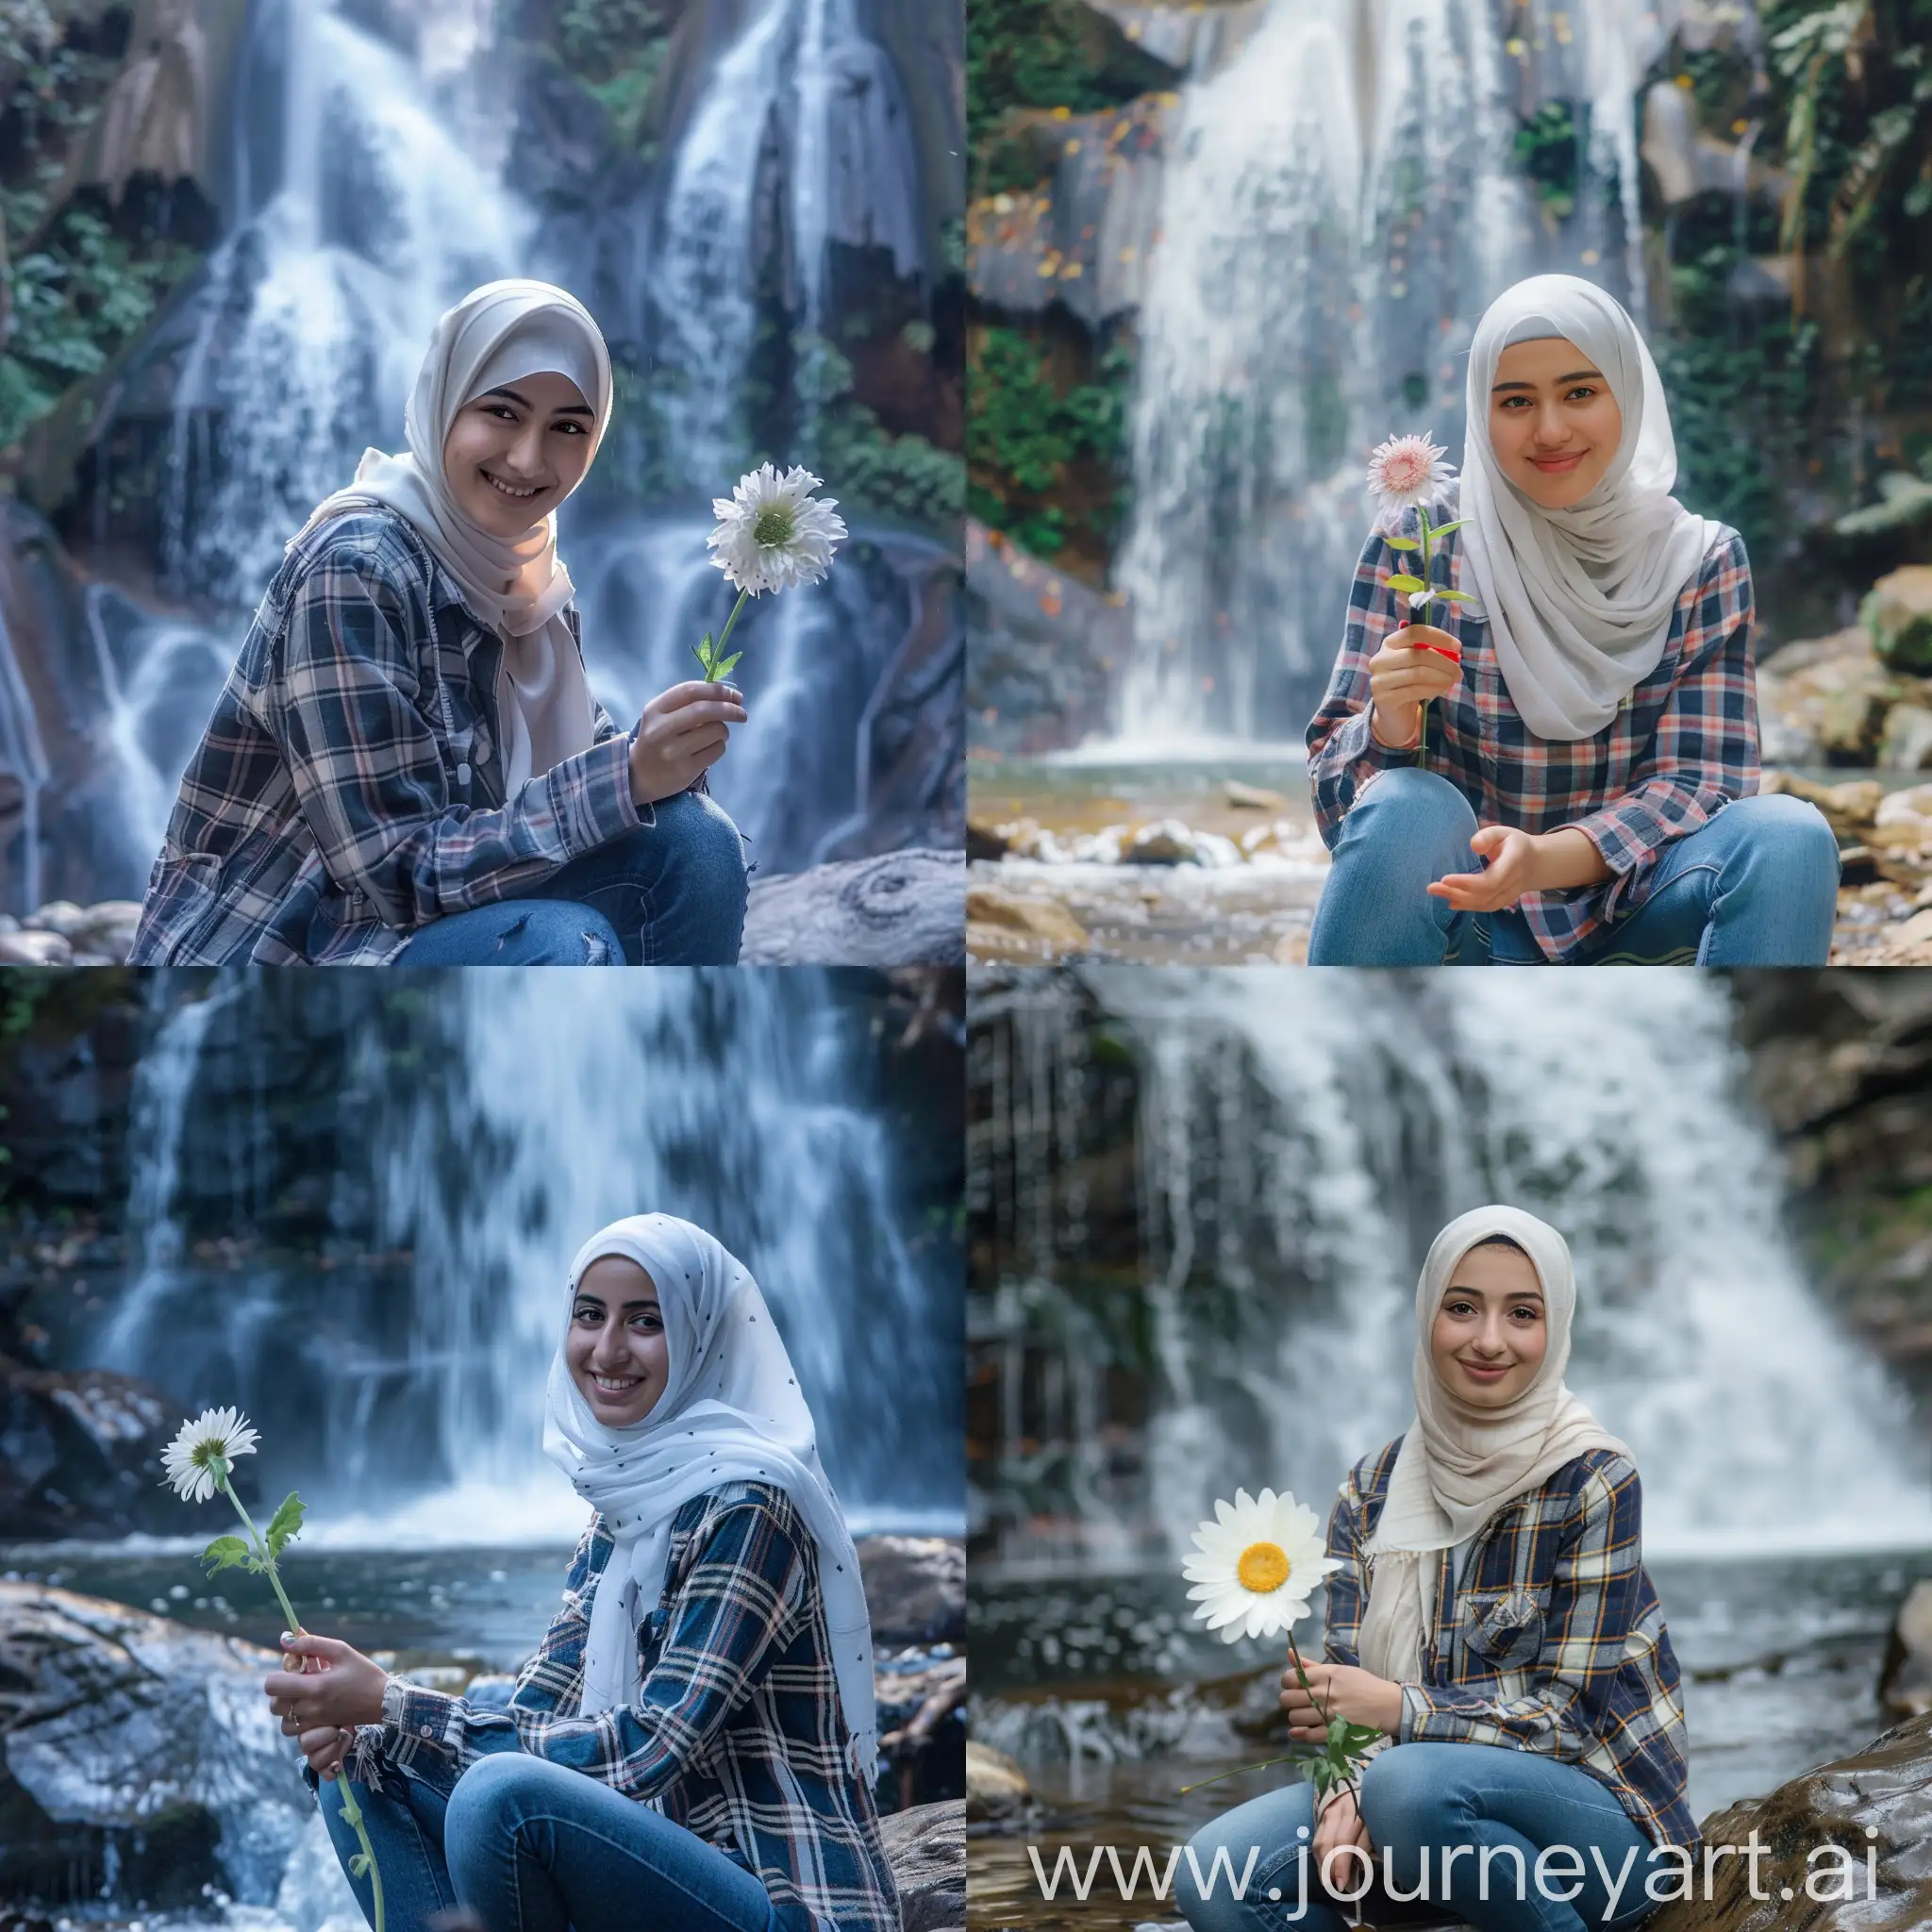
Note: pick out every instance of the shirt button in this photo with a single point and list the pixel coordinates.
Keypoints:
(463, 773)
(428, 1730)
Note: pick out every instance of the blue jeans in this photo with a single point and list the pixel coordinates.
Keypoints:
(1755, 886)
(670, 893)
(531, 1846)
(1417, 1801)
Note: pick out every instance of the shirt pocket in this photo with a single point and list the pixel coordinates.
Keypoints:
(1504, 1627)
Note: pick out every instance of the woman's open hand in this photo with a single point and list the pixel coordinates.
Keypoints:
(1339, 1691)
(1341, 1823)
(682, 733)
(340, 1688)
(1411, 668)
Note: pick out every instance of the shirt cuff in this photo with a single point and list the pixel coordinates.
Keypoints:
(1415, 1712)
(431, 1716)
(590, 797)
(1356, 743)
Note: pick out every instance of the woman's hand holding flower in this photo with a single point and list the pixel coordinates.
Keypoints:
(1341, 1823)
(1415, 664)
(682, 733)
(345, 1690)
(1343, 1690)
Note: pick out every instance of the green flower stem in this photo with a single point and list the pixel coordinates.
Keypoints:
(725, 638)
(352, 1812)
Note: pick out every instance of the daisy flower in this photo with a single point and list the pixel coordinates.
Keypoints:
(772, 532)
(1257, 1563)
(1406, 472)
(204, 1450)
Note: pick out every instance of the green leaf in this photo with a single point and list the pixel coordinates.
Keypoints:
(284, 1524)
(724, 670)
(224, 1553)
(1455, 596)
(1406, 584)
(1401, 543)
(1337, 1730)
(1447, 527)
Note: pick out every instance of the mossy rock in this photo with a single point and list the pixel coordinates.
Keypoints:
(1897, 611)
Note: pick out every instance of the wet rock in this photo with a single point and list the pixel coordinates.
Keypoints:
(1898, 614)
(1878, 1801)
(915, 1588)
(35, 949)
(996, 1788)
(1001, 925)
(135, 1744)
(1906, 745)
(925, 1847)
(902, 908)
(1252, 797)
(1045, 648)
(80, 1454)
(1905, 1678)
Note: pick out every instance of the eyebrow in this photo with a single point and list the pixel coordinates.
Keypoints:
(1575, 376)
(597, 1301)
(524, 402)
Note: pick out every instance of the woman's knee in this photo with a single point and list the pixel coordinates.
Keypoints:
(561, 932)
(487, 1793)
(704, 843)
(1416, 809)
(1405, 1794)
(1791, 832)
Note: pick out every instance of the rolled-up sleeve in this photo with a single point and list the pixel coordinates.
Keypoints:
(356, 728)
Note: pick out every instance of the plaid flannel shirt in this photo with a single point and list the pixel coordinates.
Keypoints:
(349, 787)
(1553, 1641)
(1682, 745)
(737, 1734)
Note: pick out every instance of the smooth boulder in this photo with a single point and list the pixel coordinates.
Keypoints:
(902, 908)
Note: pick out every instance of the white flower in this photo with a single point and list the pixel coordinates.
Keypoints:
(1403, 472)
(1257, 1564)
(772, 532)
(219, 1436)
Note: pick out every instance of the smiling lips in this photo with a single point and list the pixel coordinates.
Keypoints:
(1482, 1371)
(497, 483)
(607, 1387)
(1558, 466)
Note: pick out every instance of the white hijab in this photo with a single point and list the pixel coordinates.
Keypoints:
(1460, 1464)
(494, 335)
(1579, 600)
(731, 1411)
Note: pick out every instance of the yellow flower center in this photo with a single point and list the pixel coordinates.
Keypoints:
(776, 526)
(1263, 1567)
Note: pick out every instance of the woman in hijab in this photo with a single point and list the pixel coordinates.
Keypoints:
(1492, 1616)
(1570, 773)
(693, 1746)
(407, 765)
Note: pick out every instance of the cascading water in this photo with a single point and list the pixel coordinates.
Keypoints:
(483, 1155)
(1340, 205)
(1301, 1137)
(370, 192)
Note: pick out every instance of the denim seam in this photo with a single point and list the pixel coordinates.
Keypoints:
(623, 1850)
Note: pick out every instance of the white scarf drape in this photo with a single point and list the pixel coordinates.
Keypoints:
(731, 1411)
(494, 335)
(1460, 1464)
(1579, 600)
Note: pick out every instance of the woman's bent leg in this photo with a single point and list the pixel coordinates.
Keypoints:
(1756, 886)
(406, 1834)
(1251, 1870)
(1470, 1822)
(1409, 829)
(675, 890)
(518, 932)
(535, 1847)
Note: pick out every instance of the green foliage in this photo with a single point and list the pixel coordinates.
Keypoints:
(842, 439)
(1025, 432)
(285, 1523)
(1547, 151)
(616, 49)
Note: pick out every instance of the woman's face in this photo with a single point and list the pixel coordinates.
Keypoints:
(515, 453)
(1554, 424)
(1490, 1333)
(616, 1350)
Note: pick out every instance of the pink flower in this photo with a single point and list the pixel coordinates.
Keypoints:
(1403, 472)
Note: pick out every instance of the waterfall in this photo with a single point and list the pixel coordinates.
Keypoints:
(23, 760)
(476, 1155)
(1300, 1139)
(1340, 206)
(369, 191)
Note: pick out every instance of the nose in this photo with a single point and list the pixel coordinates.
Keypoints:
(525, 456)
(1552, 431)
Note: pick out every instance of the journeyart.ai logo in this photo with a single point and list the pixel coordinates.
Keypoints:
(1833, 1874)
